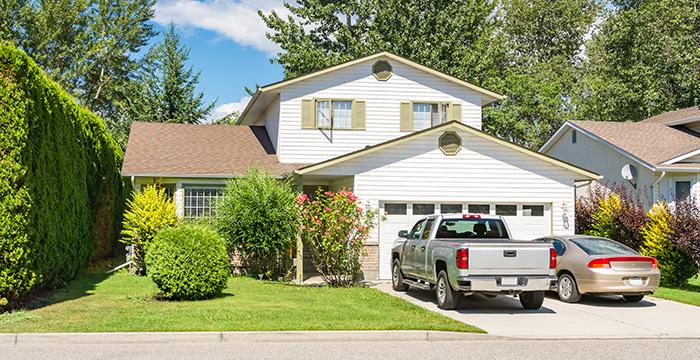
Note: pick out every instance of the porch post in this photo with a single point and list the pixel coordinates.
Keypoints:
(298, 181)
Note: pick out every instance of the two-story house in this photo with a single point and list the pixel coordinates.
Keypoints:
(405, 138)
(658, 157)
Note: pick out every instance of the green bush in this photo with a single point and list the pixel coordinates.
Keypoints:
(334, 229)
(676, 267)
(147, 213)
(259, 221)
(188, 262)
(61, 193)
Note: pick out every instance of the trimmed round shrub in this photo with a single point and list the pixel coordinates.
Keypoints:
(188, 262)
(676, 267)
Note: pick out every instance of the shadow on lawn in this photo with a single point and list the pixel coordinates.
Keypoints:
(80, 287)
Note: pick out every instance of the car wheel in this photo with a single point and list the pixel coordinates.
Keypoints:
(531, 300)
(633, 298)
(397, 277)
(447, 298)
(567, 289)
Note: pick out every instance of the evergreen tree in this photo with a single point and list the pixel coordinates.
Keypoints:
(164, 89)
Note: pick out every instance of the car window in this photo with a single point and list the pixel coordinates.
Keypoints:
(472, 228)
(601, 246)
(426, 229)
(559, 247)
(417, 230)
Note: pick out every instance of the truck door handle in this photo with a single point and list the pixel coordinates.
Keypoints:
(422, 248)
(413, 247)
(509, 253)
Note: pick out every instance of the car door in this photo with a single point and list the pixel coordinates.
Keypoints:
(408, 265)
(421, 252)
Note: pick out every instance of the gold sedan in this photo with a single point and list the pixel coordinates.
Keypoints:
(600, 266)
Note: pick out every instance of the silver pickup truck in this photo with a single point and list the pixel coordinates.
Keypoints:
(463, 254)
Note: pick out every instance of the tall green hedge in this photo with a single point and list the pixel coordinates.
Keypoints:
(60, 189)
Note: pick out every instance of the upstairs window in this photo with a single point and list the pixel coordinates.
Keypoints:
(330, 114)
(426, 115)
(334, 114)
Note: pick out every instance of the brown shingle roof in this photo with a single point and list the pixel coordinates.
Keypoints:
(692, 112)
(651, 142)
(157, 149)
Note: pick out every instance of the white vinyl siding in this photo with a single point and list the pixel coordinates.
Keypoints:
(382, 104)
(482, 173)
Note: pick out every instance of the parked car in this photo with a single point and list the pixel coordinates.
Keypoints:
(460, 255)
(600, 266)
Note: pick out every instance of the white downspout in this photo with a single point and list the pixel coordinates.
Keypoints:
(655, 185)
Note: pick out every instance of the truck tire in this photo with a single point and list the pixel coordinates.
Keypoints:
(447, 299)
(531, 300)
(567, 289)
(397, 277)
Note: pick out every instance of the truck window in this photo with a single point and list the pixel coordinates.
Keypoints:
(426, 229)
(416, 230)
(472, 228)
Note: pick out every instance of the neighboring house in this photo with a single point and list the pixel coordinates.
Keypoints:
(405, 138)
(662, 151)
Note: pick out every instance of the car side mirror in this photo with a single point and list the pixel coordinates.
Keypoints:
(403, 234)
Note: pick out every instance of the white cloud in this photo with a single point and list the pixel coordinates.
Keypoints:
(236, 20)
(227, 108)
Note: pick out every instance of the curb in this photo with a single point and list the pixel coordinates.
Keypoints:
(234, 336)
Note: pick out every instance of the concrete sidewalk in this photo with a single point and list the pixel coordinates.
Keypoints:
(235, 336)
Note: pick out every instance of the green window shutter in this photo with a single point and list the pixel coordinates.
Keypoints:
(308, 120)
(455, 112)
(406, 117)
(358, 114)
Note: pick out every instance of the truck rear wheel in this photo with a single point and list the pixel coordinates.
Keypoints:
(531, 300)
(397, 277)
(447, 298)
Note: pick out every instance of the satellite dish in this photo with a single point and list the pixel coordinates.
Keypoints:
(629, 173)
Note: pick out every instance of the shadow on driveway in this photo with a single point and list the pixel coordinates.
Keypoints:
(479, 304)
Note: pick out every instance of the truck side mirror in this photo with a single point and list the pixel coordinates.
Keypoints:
(403, 234)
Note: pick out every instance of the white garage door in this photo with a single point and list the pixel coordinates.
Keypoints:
(525, 221)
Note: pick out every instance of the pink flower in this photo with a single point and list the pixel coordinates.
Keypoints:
(302, 198)
(359, 209)
(328, 193)
(328, 209)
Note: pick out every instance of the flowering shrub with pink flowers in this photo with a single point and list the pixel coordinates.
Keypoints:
(334, 229)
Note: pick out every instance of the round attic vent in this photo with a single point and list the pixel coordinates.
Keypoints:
(382, 70)
(450, 143)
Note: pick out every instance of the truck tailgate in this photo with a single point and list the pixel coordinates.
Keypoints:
(504, 258)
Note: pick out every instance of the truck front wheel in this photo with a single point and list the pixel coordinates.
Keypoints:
(447, 298)
(531, 300)
(397, 277)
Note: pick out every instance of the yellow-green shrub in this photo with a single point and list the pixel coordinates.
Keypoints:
(60, 189)
(149, 212)
(676, 267)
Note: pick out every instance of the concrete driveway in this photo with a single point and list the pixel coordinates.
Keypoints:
(593, 317)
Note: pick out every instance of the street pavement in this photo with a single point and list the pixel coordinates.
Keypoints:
(593, 317)
(375, 345)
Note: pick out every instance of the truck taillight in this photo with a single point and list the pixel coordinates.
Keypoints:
(462, 258)
(552, 258)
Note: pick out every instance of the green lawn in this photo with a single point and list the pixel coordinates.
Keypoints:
(689, 294)
(96, 302)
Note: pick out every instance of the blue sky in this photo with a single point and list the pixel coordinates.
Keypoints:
(227, 45)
